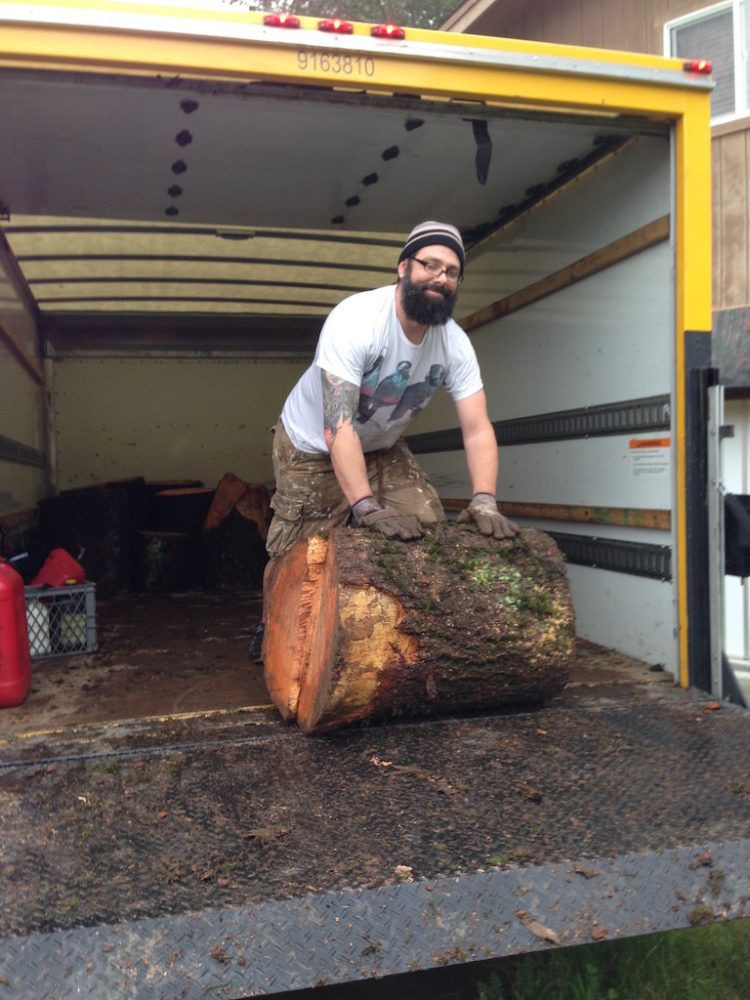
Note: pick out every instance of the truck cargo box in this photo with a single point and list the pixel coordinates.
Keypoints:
(184, 195)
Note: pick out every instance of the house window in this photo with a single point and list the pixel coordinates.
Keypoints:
(721, 34)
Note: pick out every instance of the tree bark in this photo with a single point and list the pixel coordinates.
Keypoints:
(358, 626)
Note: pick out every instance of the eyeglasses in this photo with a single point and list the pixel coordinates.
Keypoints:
(435, 268)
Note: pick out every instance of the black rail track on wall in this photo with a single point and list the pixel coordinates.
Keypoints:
(633, 416)
(635, 558)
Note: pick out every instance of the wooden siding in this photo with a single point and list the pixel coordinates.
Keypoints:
(637, 26)
(630, 25)
(731, 156)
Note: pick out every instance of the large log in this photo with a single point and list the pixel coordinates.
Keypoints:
(359, 627)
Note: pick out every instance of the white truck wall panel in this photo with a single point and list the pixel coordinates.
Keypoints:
(167, 418)
(21, 402)
(21, 486)
(619, 197)
(22, 417)
(606, 339)
(735, 464)
(596, 471)
(625, 193)
(21, 399)
(630, 614)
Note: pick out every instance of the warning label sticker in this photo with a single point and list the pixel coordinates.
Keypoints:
(650, 456)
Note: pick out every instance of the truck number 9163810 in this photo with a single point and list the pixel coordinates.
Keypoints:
(336, 62)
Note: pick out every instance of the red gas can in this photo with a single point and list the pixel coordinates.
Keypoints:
(15, 659)
(59, 568)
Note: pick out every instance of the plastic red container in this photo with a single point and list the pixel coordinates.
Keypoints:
(59, 568)
(15, 658)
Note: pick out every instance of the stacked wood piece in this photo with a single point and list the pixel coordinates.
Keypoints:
(183, 509)
(358, 626)
(168, 550)
(95, 524)
(234, 535)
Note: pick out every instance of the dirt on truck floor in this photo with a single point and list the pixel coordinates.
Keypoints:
(220, 851)
(158, 654)
(172, 654)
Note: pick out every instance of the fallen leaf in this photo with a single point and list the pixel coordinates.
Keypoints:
(444, 786)
(586, 872)
(539, 930)
(381, 763)
(266, 835)
(532, 794)
(712, 706)
(599, 933)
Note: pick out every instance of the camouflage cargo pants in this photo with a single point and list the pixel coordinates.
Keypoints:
(308, 498)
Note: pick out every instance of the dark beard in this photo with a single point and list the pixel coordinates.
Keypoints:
(422, 310)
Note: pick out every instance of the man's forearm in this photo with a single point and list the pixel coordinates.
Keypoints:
(340, 399)
(482, 460)
(348, 463)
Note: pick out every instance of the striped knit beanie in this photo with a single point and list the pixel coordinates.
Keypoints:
(428, 234)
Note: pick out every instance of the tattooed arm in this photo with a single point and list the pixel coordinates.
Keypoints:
(340, 399)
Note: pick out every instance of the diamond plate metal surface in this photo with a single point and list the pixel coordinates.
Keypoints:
(236, 857)
(350, 935)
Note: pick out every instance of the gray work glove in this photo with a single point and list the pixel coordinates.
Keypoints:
(368, 513)
(483, 512)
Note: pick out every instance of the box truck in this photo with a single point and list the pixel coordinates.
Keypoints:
(184, 195)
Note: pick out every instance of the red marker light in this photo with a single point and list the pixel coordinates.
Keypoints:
(337, 26)
(281, 21)
(387, 31)
(698, 66)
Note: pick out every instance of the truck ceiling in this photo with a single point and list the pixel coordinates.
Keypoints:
(194, 165)
(165, 197)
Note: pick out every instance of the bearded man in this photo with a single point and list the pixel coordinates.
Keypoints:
(338, 453)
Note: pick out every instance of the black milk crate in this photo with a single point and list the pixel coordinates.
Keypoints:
(61, 620)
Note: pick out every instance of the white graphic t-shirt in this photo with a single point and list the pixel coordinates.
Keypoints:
(362, 342)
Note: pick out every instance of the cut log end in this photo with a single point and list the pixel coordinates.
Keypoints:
(362, 627)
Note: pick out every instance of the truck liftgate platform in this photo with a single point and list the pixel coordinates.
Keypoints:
(229, 855)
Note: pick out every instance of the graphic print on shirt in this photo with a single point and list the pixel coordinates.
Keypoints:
(369, 384)
(395, 391)
(416, 397)
(388, 392)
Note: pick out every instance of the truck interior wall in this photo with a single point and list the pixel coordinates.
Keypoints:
(167, 418)
(606, 340)
(22, 422)
(22, 403)
(736, 479)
